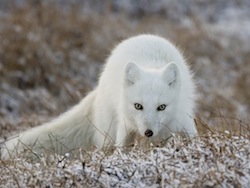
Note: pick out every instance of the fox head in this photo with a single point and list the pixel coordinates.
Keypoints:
(150, 97)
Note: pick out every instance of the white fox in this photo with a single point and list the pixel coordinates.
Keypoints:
(146, 87)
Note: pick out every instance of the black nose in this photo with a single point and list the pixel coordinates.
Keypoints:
(149, 133)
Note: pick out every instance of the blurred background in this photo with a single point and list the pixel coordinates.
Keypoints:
(52, 51)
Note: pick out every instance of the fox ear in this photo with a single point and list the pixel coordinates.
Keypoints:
(170, 74)
(132, 73)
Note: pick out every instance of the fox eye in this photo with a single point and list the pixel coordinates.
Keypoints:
(161, 107)
(138, 106)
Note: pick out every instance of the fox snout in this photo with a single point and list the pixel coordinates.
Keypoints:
(148, 130)
(149, 133)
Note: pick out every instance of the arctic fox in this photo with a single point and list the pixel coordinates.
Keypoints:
(146, 87)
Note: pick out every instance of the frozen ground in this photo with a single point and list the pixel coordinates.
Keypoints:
(51, 55)
(212, 161)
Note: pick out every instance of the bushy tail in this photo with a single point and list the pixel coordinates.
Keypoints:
(70, 131)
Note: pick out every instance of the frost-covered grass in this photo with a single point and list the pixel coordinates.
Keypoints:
(211, 160)
(50, 57)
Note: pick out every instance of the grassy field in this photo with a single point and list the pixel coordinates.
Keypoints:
(50, 57)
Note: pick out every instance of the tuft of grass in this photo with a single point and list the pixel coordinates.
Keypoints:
(209, 160)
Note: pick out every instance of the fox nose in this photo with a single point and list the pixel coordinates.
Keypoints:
(149, 133)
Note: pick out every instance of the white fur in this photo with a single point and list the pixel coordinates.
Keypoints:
(145, 69)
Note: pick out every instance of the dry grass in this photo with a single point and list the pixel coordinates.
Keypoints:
(51, 56)
(213, 160)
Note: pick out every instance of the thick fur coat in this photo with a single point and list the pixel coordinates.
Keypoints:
(146, 87)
